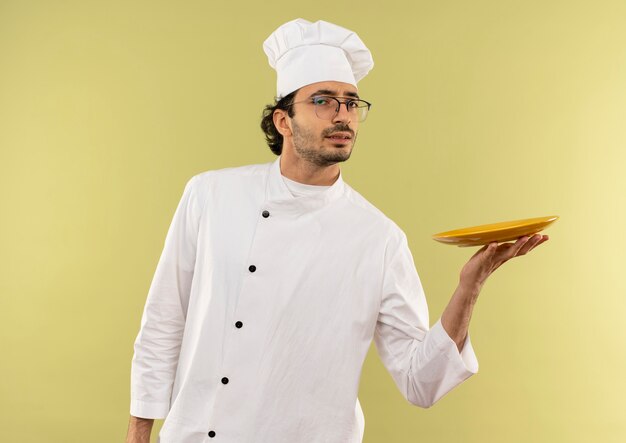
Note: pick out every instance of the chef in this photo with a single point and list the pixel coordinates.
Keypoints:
(275, 278)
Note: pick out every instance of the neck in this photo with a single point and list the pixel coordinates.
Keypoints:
(302, 171)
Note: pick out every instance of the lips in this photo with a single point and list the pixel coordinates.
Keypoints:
(340, 136)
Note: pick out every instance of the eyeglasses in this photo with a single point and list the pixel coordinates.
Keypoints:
(327, 107)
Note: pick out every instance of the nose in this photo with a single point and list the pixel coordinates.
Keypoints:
(343, 115)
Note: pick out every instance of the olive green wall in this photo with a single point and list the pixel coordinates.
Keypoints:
(484, 111)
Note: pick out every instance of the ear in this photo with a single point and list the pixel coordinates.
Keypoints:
(282, 122)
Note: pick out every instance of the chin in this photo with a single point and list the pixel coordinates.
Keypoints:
(338, 157)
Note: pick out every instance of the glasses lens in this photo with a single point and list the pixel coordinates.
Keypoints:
(362, 109)
(326, 108)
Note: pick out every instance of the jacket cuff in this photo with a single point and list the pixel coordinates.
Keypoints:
(144, 409)
(466, 358)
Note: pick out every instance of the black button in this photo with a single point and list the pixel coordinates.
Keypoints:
(224, 380)
(252, 268)
(239, 324)
(266, 214)
(211, 434)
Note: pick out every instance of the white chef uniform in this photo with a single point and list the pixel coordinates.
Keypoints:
(300, 189)
(263, 307)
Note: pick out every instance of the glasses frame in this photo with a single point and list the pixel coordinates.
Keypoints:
(339, 103)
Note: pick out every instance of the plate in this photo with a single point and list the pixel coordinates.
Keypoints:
(500, 232)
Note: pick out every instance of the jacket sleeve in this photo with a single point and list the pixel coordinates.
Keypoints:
(157, 346)
(424, 363)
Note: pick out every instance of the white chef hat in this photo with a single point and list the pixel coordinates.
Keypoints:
(303, 53)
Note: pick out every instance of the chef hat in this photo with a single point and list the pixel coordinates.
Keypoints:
(303, 53)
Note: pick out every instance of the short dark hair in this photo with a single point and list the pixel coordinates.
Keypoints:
(272, 136)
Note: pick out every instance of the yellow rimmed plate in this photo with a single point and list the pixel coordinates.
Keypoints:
(500, 232)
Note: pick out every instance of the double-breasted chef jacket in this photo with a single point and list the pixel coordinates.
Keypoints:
(263, 307)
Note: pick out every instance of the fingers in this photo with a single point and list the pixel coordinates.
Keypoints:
(507, 251)
(510, 250)
(530, 243)
(481, 250)
(542, 239)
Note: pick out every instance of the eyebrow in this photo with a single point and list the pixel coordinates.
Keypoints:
(330, 92)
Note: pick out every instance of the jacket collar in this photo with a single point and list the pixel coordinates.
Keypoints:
(278, 196)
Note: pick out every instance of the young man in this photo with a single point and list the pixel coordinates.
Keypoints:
(275, 278)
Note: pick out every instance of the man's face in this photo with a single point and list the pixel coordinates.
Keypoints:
(324, 142)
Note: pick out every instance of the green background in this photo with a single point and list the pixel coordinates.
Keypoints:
(484, 111)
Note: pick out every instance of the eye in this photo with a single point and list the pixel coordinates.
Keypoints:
(353, 105)
(320, 101)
